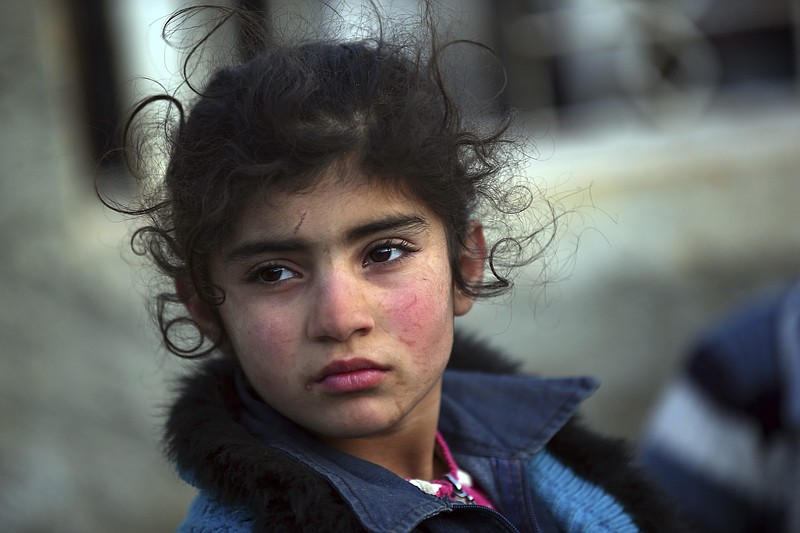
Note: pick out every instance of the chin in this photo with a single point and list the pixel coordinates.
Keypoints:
(353, 427)
(356, 431)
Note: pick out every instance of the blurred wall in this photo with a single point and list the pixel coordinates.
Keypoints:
(673, 146)
(82, 382)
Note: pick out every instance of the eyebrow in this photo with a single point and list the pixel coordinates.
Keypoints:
(407, 223)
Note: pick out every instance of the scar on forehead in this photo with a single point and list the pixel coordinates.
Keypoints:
(300, 223)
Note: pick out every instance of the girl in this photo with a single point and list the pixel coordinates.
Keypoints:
(319, 220)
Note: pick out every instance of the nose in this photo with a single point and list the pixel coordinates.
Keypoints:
(341, 308)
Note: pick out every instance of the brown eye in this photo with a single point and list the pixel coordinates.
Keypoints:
(389, 251)
(382, 254)
(274, 274)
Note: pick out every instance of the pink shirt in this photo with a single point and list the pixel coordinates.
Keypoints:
(456, 484)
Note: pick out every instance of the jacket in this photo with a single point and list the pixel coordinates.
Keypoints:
(516, 435)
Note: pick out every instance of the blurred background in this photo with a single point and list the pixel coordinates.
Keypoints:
(670, 128)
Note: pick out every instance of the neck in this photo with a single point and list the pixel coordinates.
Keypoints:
(407, 449)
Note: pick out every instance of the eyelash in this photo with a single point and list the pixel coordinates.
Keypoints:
(254, 276)
(403, 246)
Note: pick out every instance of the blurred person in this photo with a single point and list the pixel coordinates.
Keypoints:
(724, 441)
(321, 223)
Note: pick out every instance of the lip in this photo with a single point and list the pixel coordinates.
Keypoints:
(351, 375)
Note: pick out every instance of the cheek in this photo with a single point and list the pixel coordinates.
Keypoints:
(266, 352)
(262, 339)
(421, 314)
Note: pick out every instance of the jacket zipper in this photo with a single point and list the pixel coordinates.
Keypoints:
(459, 491)
(532, 515)
(481, 508)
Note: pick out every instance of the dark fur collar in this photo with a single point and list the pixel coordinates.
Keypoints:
(218, 454)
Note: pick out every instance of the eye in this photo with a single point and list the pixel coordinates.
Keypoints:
(273, 274)
(388, 251)
(383, 254)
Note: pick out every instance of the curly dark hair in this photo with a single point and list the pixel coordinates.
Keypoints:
(281, 118)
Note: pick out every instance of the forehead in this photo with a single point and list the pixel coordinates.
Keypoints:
(332, 204)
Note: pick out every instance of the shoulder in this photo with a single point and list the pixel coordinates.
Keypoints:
(604, 470)
(592, 468)
(574, 502)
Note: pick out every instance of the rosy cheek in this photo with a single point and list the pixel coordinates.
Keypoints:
(417, 316)
(404, 315)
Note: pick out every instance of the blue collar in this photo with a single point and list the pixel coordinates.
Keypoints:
(506, 416)
(482, 416)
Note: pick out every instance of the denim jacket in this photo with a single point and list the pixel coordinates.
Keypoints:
(497, 427)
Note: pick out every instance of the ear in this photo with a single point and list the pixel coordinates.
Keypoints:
(472, 261)
(202, 314)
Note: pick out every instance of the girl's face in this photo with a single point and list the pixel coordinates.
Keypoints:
(340, 304)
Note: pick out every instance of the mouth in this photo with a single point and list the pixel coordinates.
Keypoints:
(351, 375)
